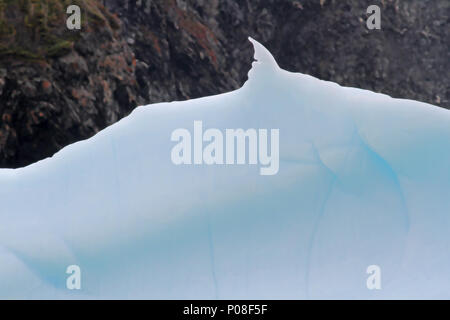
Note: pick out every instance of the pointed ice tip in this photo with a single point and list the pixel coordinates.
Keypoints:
(262, 55)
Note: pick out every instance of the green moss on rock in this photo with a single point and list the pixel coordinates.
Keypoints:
(36, 29)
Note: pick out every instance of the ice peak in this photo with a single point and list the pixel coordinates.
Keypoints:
(263, 56)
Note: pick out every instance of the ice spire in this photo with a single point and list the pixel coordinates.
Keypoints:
(262, 55)
(265, 63)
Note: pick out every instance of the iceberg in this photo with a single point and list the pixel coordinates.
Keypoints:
(362, 180)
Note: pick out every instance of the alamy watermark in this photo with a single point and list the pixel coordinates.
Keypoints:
(235, 151)
(374, 20)
(73, 22)
(373, 282)
(73, 282)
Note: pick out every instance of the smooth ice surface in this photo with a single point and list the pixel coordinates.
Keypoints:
(364, 179)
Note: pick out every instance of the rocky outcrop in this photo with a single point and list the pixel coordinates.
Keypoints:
(206, 41)
(50, 98)
(60, 89)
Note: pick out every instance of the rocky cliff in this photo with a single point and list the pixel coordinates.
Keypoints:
(58, 86)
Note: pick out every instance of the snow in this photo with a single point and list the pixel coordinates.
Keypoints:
(363, 179)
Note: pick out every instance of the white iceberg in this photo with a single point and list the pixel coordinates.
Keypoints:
(363, 179)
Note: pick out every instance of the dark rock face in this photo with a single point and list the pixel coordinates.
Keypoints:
(206, 41)
(48, 102)
(181, 49)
